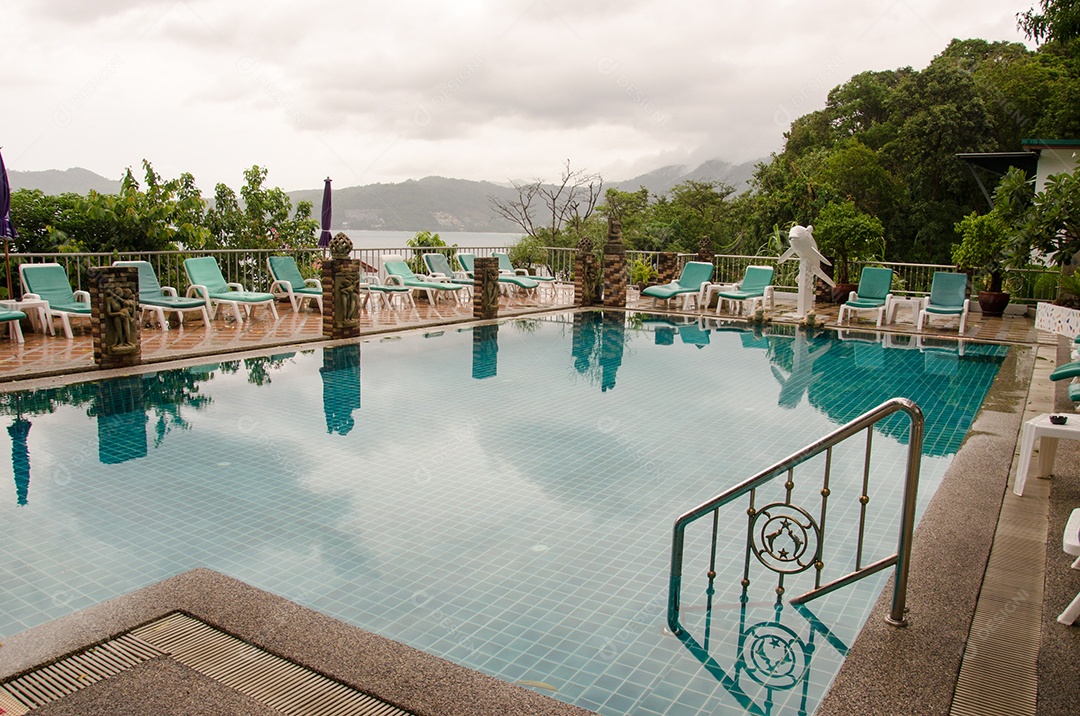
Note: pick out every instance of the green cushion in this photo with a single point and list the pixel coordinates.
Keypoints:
(283, 268)
(204, 271)
(947, 290)
(11, 315)
(865, 303)
(667, 290)
(50, 281)
(1068, 370)
(875, 283)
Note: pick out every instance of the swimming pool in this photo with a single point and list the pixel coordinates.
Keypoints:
(499, 496)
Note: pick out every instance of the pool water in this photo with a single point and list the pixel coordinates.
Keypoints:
(500, 496)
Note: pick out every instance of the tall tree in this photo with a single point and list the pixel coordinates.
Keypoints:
(547, 210)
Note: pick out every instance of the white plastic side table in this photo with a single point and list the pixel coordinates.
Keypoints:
(915, 303)
(1041, 427)
(36, 309)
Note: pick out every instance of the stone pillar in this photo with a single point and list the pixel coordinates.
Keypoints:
(666, 266)
(705, 250)
(615, 277)
(114, 314)
(586, 272)
(485, 287)
(341, 290)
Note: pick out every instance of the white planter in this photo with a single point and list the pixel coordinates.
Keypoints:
(1057, 319)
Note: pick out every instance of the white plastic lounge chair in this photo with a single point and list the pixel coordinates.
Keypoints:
(507, 269)
(948, 297)
(439, 267)
(157, 299)
(12, 318)
(755, 286)
(507, 281)
(1070, 542)
(289, 282)
(874, 294)
(208, 283)
(694, 275)
(49, 282)
(398, 272)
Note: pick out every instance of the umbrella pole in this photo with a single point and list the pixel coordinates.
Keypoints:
(7, 263)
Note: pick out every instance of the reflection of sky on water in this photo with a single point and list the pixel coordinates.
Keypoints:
(503, 499)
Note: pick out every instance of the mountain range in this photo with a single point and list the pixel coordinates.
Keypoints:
(432, 203)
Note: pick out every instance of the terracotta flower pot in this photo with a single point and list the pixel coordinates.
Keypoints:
(993, 303)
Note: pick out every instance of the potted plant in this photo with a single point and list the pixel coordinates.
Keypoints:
(642, 273)
(847, 236)
(983, 245)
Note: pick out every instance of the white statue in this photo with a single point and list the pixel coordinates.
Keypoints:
(810, 260)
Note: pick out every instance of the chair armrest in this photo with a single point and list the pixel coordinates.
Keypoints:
(313, 282)
(236, 287)
(31, 296)
(168, 291)
(198, 290)
(83, 296)
(852, 295)
(394, 280)
(521, 272)
(282, 285)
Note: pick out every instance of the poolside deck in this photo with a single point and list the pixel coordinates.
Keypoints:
(987, 586)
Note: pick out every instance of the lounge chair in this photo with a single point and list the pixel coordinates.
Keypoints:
(374, 287)
(207, 282)
(507, 281)
(874, 294)
(157, 299)
(694, 275)
(1070, 543)
(49, 282)
(289, 282)
(948, 297)
(398, 272)
(12, 318)
(755, 286)
(507, 269)
(438, 265)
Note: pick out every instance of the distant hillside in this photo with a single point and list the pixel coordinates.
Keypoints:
(433, 203)
(55, 181)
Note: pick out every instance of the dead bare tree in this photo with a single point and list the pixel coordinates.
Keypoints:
(567, 204)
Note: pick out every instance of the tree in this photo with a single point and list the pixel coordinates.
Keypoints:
(266, 220)
(1057, 22)
(847, 235)
(547, 210)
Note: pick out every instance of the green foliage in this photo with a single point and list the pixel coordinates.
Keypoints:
(425, 240)
(982, 245)
(847, 235)
(265, 221)
(1052, 225)
(642, 272)
(529, 251)
(1058, 21)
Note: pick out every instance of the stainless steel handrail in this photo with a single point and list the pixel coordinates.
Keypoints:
(902, 556)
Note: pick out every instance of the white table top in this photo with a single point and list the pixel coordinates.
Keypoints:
(1043, 425)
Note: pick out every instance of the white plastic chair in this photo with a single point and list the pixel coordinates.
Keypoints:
(1070, 542)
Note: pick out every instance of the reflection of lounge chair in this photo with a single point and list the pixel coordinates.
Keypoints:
(948, 297)
(157, 299)
(207, 282)
(755, 286)
(398, 272)
(874, 294)
(688, 285)
(507, 281)
(289, 282)
(49, 282)
(694, 334)
(438, 265)
(507, 269)
(12, 318)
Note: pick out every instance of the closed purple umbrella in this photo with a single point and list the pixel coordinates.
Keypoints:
(327, 213)
(7, 231)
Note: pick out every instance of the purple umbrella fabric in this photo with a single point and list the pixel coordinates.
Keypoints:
(327, 213)
(7, 231)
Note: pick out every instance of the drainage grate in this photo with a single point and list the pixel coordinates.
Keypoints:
(274, 682)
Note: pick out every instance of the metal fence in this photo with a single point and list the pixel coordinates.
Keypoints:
(244, 266)
(248, 267)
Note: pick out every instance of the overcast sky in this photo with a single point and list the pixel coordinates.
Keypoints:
(477, 89)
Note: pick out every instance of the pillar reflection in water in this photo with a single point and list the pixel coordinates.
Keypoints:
(340, 373)
(597, 344)
(120, 409)
(485, 351)
(20, 458)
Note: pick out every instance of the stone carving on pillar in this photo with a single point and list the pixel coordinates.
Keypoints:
(586, 274)
(705, 250)
(485, 287)
(615, 277)
(805, 247)
(341, 290)
(114, 311)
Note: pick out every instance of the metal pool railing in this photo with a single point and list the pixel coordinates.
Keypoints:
(807, 534)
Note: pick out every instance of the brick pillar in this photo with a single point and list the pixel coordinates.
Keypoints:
(341, 298)
(485, 287)
(666, 265)
(114, 315)
(705, 250)
(615, 277)
(341, 290)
